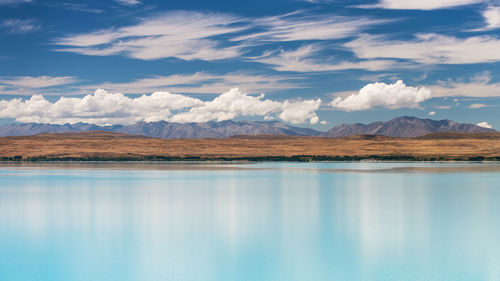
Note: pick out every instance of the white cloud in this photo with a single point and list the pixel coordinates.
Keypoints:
(129, 2)
(477, 86)
(99, 108)
(301, 60)
(301, 111)
(77, 7)
(14, 2)
(420, 4)
(478, 105)
(36, 82)
(192, 35)
(443, 106)
(429, 48)
(114, 108)
(432, 113)
(20, 26)
(492, 17)
(236, 103)
(396, 95)
(484, 125)
(199, 82)
(182, 34)
(299, 26)
(202, 82)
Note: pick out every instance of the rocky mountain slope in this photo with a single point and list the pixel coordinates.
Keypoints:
(404, 127)
(398, 127)
(166, 130)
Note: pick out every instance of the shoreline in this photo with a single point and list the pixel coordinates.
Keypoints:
(293, 158)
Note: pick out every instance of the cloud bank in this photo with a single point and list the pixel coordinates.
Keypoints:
(104, 108)
(393, 96)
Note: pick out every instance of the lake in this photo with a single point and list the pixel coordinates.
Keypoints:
(246, 221)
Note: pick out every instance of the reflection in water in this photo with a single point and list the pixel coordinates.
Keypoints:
(274, 222)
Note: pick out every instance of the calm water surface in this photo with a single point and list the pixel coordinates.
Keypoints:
(269, 221)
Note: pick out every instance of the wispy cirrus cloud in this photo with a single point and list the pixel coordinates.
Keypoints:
(182, 34)
(29, 85)
(78, 7)
(20, 26)
(300, 26)
(306, 59)
(429, 48)
(129, 2)
(192, 35)
(477, 105)
(14, 2)
(191, 83)
(419, 5)
(204, 82)
(36, 81)
(477, 86)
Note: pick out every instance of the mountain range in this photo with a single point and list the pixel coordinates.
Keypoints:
(398, 127)
(404, 127)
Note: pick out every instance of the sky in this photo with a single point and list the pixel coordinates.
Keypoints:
(311, 63)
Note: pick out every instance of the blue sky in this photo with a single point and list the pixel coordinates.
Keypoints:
(319, 63)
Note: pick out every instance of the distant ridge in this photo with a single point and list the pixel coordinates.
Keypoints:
(398, 127)
(166, 130)
(404, 127)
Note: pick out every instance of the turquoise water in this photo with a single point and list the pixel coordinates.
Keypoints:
(269, 221)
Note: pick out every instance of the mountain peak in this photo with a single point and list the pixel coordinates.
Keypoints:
(405, 126)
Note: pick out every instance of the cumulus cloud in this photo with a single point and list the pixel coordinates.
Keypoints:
(420, 4)
(236, 103)
(484, 125)
(396, 95)
(432, 113)
(20, 26)
(429, 48)
(302, 60)
(115, 108)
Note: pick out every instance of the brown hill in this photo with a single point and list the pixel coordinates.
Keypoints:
(115, 146)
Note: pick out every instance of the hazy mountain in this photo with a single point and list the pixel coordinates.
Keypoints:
(164, 129)
(399, 127)
(403, 127)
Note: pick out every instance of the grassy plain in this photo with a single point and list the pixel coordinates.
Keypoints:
(114, 146)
